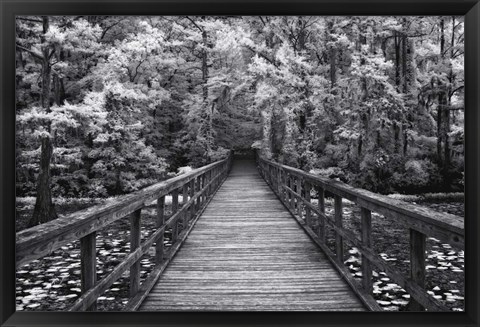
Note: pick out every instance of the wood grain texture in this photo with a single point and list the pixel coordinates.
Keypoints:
(416, 290)
(446, 227)
(41, 240)
(88, 264)
(247, 253)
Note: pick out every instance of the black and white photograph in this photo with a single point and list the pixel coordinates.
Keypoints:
(240, 163)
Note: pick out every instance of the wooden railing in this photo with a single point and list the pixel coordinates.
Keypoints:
(293, 187)
(198, 186)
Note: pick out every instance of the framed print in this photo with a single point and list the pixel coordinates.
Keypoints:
(240, 163)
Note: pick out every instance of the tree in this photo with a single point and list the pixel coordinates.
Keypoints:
(44, 209)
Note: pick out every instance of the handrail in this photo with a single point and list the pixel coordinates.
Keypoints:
(293, 187)
(197, 188)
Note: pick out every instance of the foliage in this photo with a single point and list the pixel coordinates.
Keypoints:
(374, 101)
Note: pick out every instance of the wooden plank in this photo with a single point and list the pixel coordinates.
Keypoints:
(246, 251)
(308, 212)
(191, 210)
(160, 221)
(89, 297)
(417, 265)
(367, 242)
(88, 260)
(135, 302)
(41, 240)
(339, 223)
(135, 238)
(184, 202)
(321, 232)
(446, 227)
(174, 211)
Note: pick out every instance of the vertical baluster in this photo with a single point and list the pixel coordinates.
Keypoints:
(417, 265)
(174, 211)
(290, 196)
(184, 203)
(199, 187)
(88, 259)
(366, 242)
(293, 186)
(299, 199)
(204, 182)
(134, 244)
(160, 221)
(308, 214)
(191, 209)
(321, 219)
(339, 223)
(268, 175)
(279, 184)
(212, 178)
(210, 188)
(293, 182)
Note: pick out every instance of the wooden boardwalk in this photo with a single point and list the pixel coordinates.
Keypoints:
(247, 253)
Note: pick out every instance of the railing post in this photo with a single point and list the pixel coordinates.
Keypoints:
(321, 220)
(279, 183)
(299, 202)
(205, 194)
(417, 265)
(88, 259)
(202, 184)
(289, 191)
(192, 205)
(209, 179)
(160, 221)
(366, 242)
(339, 223)
(135, 238)
(174, 211)
(184, 202)
(308, 215)
(197, 188)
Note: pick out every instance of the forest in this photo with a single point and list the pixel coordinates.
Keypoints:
(106, 105)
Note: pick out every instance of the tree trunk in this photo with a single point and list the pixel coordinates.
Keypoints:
(333, 58)
(59, 90)
(404, 64)
(397, 60)
(58, 86)
(46, 77)
(442, 38)
(439, 133)
(204, 65)
(44, 210)
(445, 147)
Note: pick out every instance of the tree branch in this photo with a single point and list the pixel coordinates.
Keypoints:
(107, 28)
(264, 56)
(457, 89)
(194, 24)
(30, 20)
(33, 53)
(262, 21)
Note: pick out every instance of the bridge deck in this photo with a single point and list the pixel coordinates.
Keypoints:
(247, 253)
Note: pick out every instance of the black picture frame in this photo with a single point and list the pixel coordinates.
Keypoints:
(9, 9)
